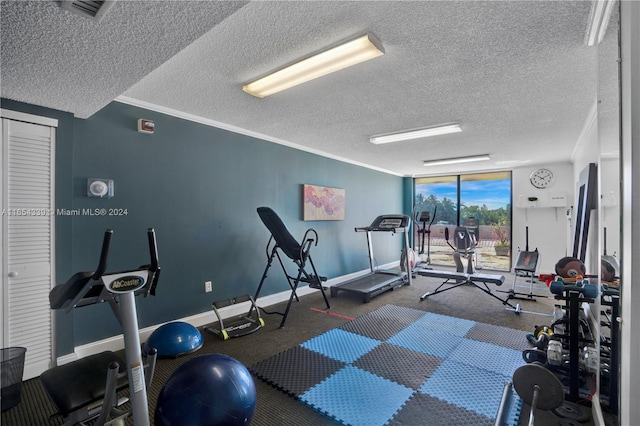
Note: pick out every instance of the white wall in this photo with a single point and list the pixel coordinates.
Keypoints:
(630, 207)
(549, 230)
(610, 210)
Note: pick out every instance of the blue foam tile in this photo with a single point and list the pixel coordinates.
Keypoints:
(514, 408)
(341, 345)
(437, 322)
(466, 386)
(355, 397)
(498, 359)
(430, 342)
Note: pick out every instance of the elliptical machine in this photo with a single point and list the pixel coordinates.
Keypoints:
(423, 217)
(416, 259)
(78, 388)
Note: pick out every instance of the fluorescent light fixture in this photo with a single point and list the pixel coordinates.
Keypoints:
(342, 56)
(416, 134)
(598, 21)
(457, 160)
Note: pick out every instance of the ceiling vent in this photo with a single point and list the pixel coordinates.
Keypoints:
(89, 9)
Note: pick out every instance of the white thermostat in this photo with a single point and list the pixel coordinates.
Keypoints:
(101, 188)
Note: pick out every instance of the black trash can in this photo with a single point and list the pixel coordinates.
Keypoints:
(12, 364)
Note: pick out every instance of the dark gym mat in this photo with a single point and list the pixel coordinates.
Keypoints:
(401, 366)
(503, 336)
(383, 322)
(423, 409)
(295, 370)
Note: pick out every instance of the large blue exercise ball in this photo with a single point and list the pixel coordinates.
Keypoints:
(175, 339)
(208, 390)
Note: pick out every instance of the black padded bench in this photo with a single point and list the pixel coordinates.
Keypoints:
(449, 275)
(462, 278)
(74, 387)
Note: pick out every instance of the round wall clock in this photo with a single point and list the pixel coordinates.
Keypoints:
(542, 178)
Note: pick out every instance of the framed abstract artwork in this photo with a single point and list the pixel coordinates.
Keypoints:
(322, 203)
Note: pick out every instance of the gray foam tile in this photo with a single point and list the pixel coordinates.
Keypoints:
(502, 336)
(401, 365)
(384, 322)
(423, 410)
(295, 370)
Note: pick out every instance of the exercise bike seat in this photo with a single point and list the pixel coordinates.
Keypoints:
(82, 382)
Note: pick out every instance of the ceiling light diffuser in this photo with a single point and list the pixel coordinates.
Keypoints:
(457, 160)
(598, 21)
(345, 55)
(416, 134)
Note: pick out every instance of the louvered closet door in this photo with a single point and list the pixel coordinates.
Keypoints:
(28, 220)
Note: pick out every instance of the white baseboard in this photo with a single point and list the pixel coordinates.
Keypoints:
(116, 343)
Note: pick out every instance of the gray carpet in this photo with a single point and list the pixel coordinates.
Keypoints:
(275, 407)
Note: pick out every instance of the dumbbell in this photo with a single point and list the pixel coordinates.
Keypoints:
(589, 291)
(540, 337)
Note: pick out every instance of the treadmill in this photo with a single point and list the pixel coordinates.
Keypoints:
(378, 280)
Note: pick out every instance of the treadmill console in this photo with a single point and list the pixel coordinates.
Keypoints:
(390, 222)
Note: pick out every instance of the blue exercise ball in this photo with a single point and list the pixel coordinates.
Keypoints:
(207, 390)
(175, 339)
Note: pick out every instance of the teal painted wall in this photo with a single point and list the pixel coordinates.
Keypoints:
(199, 187)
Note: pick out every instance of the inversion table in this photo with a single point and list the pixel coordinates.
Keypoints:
(299, 253)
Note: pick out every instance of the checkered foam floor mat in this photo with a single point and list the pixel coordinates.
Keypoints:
(401, 366)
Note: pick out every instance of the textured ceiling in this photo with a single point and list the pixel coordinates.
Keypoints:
(516, 75)
(55, 58)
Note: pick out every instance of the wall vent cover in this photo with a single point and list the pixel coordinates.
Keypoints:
(91, 9)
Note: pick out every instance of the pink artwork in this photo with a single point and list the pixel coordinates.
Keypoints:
(323, 203)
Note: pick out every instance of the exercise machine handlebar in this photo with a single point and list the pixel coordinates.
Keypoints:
(153, 248)
(87, 288)
(104, 254)
(446, 237)
(119, 289)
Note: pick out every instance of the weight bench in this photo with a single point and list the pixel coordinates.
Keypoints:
(478, 280)
(299, 253)
(465, 244)
(525, 266)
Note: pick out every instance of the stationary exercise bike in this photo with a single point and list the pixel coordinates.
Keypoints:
(464, 248)
(78, 389)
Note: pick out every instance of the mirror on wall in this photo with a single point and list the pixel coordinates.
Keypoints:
(609, 207)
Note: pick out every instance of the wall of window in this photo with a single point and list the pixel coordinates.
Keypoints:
(480, 201)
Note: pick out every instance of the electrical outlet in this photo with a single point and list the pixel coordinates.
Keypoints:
(208, 287)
